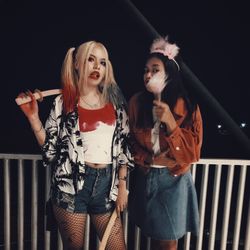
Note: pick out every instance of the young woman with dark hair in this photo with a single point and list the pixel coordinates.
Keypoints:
(166, 129)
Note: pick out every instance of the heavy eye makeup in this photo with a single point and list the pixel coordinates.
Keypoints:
(153, 70)
(91, 59)
(103, 63)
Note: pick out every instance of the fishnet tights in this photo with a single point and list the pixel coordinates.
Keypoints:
(116, 237)
(72, 229)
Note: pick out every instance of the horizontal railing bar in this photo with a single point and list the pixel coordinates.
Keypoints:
(212, 161)
(21, 156)
(236, 162)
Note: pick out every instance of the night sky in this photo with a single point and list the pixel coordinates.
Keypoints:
(213, 38)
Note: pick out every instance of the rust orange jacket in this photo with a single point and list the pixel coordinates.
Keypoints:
(182, 146)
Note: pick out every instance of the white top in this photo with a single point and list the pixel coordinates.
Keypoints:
(155, 134)
(97, 144)
(155, 139)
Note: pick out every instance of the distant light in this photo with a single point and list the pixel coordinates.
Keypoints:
(221, 129)
(243, 125)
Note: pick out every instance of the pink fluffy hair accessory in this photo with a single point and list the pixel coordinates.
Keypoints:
(161, 45)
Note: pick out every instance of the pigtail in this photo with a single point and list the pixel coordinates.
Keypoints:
(110, 74)
(108, 83)
(69, 82)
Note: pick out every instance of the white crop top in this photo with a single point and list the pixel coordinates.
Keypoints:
(97, 128)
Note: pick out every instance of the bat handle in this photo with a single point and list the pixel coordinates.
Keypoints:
(38, 95)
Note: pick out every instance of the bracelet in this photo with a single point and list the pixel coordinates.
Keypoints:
(123, 166)
(37, 131)
(124, 178)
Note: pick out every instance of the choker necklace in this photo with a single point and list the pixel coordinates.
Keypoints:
(93, 106)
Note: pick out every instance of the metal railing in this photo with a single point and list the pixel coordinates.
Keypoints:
(221, 185)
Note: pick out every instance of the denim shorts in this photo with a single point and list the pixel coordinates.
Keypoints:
(164, 207)
(93, 198)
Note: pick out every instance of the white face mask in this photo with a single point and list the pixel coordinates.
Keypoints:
(156, 84)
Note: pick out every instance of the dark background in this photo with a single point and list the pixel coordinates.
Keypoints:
(213, 37)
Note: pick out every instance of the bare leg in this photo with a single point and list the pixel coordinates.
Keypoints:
(164, 244)
(116, 239)
(71, 227)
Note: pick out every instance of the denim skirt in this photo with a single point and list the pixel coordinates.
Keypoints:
(163, 206)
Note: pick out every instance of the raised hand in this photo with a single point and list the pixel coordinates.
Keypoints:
(164, 114)
(30, 109)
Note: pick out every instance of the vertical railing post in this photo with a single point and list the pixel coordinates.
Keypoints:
(243, 172)
(47, 190)
(20, 211)
(227, 202)
(215, 202)
(148, 243)
(247, 238)
(187, 237)
(125, 225)
(202, 204)
(59, 241)
(137, 244)
(34, 205)
(87, 231)
(6, 180)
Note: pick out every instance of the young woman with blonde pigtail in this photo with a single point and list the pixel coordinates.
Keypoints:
(84, 141)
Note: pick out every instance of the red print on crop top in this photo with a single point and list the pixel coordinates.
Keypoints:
(89, 119)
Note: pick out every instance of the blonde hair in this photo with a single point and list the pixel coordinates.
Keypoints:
(74, 74)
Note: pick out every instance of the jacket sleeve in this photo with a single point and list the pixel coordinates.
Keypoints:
(51, 127)
(185, 142)
(125, 156)
(139, 153)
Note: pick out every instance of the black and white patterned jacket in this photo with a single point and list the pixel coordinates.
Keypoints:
(63, 149)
